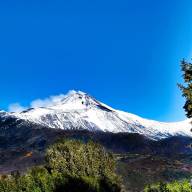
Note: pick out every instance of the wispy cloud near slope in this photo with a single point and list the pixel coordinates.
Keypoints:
(16, 107)
(47, 102)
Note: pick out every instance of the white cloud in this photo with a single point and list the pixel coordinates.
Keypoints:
(47, 102)
(16, 107)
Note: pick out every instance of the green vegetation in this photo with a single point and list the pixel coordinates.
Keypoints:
(187, 89)
(170, 187)
(71, 166)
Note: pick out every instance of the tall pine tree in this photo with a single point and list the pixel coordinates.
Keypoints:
(186, 68)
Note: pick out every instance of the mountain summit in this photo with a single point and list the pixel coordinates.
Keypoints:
(78, 110)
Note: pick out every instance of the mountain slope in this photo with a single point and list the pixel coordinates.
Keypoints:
(78, 110)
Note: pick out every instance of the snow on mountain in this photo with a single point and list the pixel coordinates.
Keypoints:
(78, 110)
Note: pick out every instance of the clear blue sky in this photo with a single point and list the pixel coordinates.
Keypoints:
(124, 53)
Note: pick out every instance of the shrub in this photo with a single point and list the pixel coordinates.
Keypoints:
(175, 186)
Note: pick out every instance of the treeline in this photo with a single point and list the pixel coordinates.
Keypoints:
(71, 166)
(176, 186)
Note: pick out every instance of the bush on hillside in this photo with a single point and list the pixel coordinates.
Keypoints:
(176, 186)
(72, 166)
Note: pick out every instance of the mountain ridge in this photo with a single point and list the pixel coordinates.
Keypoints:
(78, 110)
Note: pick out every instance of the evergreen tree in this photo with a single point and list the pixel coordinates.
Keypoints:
(86, 165)
(187, 87)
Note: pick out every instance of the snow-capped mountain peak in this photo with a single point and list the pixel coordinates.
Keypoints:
(76, 100)
(78, 110)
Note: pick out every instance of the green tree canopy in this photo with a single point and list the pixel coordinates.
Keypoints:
(71, 166)
(79, 159)
(187, 87)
